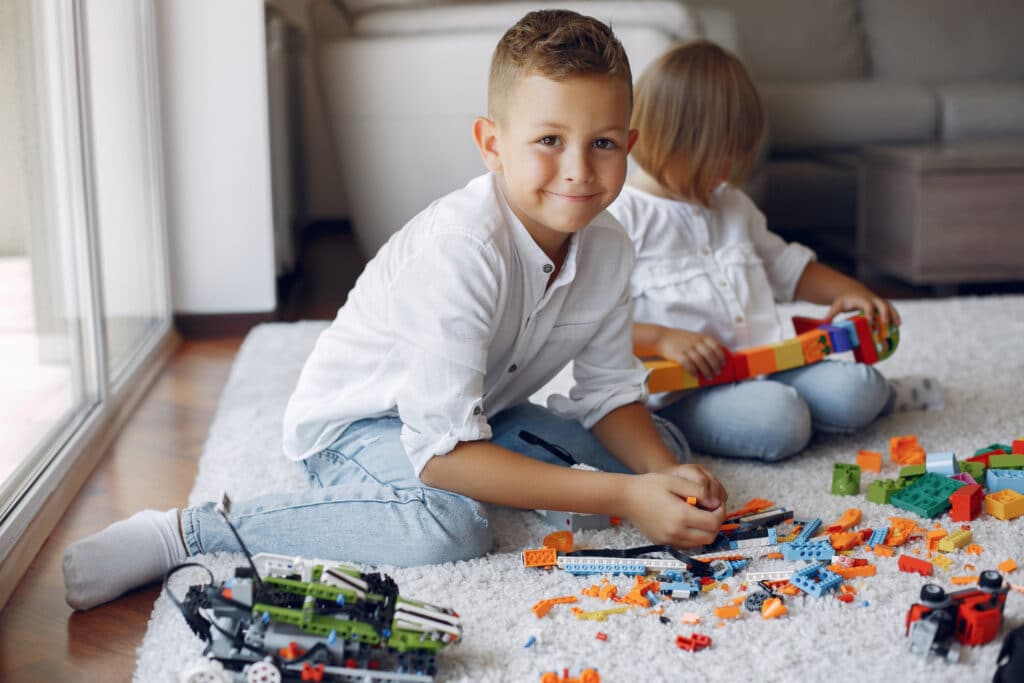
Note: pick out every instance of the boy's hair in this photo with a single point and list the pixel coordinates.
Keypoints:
(700, 119)
(557, 44)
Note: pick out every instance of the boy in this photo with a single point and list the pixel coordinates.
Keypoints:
(411, 410)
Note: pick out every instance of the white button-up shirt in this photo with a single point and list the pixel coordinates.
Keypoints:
(453, 321)
(716, 271)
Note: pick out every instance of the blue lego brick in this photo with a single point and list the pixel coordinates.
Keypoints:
(997, 480)
(928, 496)
(681, 589)
(815, 580)
(851, 331)
(878, 536)
(808, 550)
(941, 463)
(808, 530)
(839, 337)
(578, 569)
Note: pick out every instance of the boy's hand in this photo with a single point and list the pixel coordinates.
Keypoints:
(656, 504)
(872, 305)
(700, 354)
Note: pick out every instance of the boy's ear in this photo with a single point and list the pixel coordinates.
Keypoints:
(633, 135)
(485, 133)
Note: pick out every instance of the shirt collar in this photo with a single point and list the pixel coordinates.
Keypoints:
(535, 262)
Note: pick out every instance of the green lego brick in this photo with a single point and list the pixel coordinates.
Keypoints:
(928, 496)
(975, 469)
(881, 490)
(912, 472)
(1006, 462)
(994, 447)
(845, 479)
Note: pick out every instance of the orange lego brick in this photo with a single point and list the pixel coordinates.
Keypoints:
(963, 580)
(844, 540)
(850, 518)
(1008, 566)
(692, 500)
(559, 540)
(667, 375)
(912, 565)
(905, 450)
(869, 461)
(884, 550)
(750, 507)
(934, 536)
(814, 345)
(540, 557)
(772, 608)
(974, 549)
(853, 572)
(760, 360)
(1006, 504)
(727, 612)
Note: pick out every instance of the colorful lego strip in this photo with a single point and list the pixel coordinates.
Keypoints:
(816, 340)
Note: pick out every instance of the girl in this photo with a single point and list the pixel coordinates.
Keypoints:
(708, 271)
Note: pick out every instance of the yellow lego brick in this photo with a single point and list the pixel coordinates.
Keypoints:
(789, 354)
(957, 539)
(1006, 504)
(667, 375)
(942, 562)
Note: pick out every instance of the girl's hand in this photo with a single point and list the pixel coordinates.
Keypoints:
(656, 504)
(872, 305)
(698, 353)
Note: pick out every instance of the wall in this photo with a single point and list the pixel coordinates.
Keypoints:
(13, 142)
(216, 155)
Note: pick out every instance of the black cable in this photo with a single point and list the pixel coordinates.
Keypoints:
(248, 555)
(551, 448)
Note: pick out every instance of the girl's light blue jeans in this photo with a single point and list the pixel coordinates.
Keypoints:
(366, 505)
(774, 418)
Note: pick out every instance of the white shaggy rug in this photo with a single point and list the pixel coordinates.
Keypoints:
(974, 346)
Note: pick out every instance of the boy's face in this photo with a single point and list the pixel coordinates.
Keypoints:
(560, 151)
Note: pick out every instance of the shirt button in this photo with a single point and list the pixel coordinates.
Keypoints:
(721, 283)
(548, 267)
(477, 410)
(739, 318)
(513, 367)
(706, 250)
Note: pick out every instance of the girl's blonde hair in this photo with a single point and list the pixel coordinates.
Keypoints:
(700, 120)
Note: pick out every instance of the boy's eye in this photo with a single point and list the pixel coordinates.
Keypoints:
(604, 143)
(550, 141)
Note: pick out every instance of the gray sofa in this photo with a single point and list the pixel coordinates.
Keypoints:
(838, 75)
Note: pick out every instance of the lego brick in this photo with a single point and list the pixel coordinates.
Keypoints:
(956, 540)
(851, 332)
(726, 374)
(666, 375)
(966, 503)
(869, 461)
(928, 496)
(865, 351)
(809, 550)
(1006, 462)
(997, 480)
(913, 565)
(975, 469)
(905, 450)
(880, 490)
(1018, 445)
(943, 463)
(815, 345)
(845, 479)
(808, 530)
(760, 360)
(878, 536)
(839, 338)
(789, 354)
(815, 580)
(1006, 504)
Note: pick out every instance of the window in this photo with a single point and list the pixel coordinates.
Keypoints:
(84, 303)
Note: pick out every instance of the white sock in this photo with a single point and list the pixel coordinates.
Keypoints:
(916, 392)
(125, 555)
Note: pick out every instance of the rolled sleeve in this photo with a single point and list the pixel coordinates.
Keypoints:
(784, 262)
(442, 307)
(606, 372)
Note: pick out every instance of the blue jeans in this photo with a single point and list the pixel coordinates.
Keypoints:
(366, 505)
(774, 418)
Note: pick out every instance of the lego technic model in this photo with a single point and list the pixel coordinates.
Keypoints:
(972, 616)
(290, 619)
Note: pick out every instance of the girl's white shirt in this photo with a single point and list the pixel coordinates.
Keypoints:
(452, 321)
(718, 271)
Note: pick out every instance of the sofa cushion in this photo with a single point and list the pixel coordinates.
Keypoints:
(936, 41)
(839, 114)
(981, 111)
(797, 40)
(671, 17)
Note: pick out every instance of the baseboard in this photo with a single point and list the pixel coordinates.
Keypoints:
(212, 325)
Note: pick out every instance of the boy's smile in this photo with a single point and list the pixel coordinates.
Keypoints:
(560, 152)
